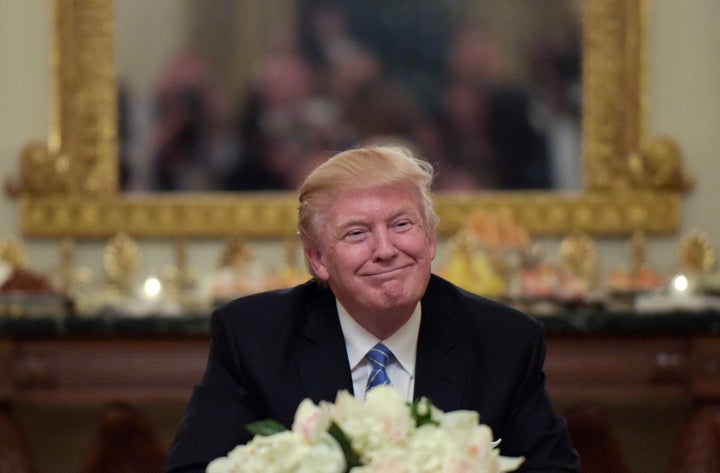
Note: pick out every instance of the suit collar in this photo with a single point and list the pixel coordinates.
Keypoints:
(321, 356)
(441, 364)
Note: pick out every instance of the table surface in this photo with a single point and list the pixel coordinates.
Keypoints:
(564, 322)
(592, 355)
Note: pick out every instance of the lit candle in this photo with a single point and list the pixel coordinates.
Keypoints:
(681, 286)
(152, 288)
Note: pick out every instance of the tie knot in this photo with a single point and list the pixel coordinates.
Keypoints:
(379, 355)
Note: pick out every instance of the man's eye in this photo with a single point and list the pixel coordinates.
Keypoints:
(402, 225)
(355, 234)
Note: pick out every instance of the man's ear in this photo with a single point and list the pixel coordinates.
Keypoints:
(314, 259)
(432, 244)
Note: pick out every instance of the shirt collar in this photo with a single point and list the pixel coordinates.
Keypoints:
(403, 343)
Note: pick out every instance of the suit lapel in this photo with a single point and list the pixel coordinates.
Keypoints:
(321, 357)
(442, 363)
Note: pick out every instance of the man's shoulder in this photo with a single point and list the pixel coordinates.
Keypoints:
(277, 301)
(475, 307)
(279, 294)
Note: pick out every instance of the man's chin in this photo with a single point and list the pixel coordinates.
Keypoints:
(396, 296)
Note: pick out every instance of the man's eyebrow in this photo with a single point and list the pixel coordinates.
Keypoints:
(352, 221)
(405, 212)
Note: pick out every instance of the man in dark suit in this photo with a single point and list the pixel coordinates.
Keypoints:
(369, 231)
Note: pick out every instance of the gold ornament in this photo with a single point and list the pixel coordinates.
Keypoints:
(12, 253)
(578, 254)
(121, 261)
(658, 164)
(697, 253)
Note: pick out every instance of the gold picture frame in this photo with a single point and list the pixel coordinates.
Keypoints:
(69, 185)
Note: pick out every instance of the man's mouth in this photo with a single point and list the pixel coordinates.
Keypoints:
(388, 271)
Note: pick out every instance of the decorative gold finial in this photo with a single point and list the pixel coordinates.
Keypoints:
(658, 164)
(68, 275)
(179, 276)
(67, 263)
(236, 254)
(121, 261)
(578, 254)
(697, 253)
(638, 244)
(12, 253)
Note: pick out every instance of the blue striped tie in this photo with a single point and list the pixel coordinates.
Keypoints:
(378, 356)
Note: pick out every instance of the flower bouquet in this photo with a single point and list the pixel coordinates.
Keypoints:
(382, 434)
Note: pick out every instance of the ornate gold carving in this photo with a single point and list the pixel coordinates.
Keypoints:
(68, 276)
(236, 254)
(121, 260)
(613, 88)
(578, 254)
(658, 164)
(697, 253)
(270, 216)
(638, 250)
(622, 194)
(12, 253)
(179, 277)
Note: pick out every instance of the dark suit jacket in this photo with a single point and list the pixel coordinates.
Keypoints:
(269, 351)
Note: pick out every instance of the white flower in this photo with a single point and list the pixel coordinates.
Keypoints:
(311, 421)
(383, 421)
(458, 420)
(386, 434)
(220, 465)
(385, 465)
(285, 452)
(325, 456)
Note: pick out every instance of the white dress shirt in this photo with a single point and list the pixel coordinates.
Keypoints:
(403, 344)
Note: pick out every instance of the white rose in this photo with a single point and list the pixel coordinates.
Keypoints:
(464, 420)
(431, 448)
(345, 406)
(384, 420)
(382, 432)
(279, 453)
(325, 456)
(480, 447)
(220, 465)
(386, 465)
(310, 421)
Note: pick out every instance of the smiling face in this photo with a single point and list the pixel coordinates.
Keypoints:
(375, 252)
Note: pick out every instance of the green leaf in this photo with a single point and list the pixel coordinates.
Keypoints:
(421, 410)
(351, 458)
(266, 427)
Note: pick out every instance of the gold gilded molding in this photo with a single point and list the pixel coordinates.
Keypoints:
(69, 186)
(274, 215)
(81, 155)
(614, 88)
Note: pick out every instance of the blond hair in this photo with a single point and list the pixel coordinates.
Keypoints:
(361, 168)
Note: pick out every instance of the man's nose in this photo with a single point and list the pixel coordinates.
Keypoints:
(384, 244)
